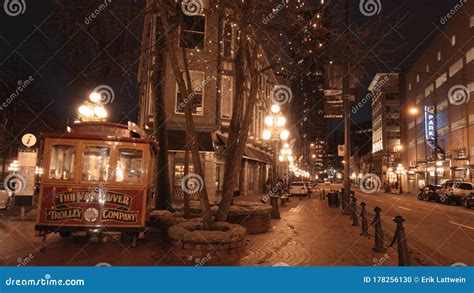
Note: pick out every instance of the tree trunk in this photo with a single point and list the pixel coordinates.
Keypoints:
(190, 126)
(238, 134)
(187, 205)
(163, 188)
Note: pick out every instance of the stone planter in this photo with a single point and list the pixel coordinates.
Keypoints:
(254, 216)
(224, 245)
(196, 208)
(163, 220)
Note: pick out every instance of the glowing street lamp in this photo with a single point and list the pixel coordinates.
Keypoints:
(275, 132)
(92, 110)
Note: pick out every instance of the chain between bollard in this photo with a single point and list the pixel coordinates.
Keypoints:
(399, 237)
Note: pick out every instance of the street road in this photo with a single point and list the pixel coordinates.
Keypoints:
(438, 234)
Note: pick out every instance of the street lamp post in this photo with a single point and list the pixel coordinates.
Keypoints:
(275, 132)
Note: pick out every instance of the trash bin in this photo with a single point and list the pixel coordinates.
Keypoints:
(333, 199)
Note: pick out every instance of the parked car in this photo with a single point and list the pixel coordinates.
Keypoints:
(5, 198)
(429, 192)
(455, 191)
(469, 202)
(299, 188)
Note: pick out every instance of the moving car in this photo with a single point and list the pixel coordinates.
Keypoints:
(5, 198)
(299, 188)
(455, 191)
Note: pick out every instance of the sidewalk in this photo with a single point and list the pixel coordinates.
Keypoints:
(310, 233)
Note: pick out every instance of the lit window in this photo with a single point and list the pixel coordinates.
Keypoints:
(95, 163)
(417, 78)
(427, 68)
(228, 40)
(441, 80)
(470, 55)
(62, 162)
(227, 92)
(472, 21)
(439, 55)
(456, 67)
(196, 98)
(453, 40)
(193, 32)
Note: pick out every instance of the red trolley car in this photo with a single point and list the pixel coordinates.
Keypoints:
(97, 178)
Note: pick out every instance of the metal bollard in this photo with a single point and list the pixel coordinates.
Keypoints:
(275, 209)
(402, 247)
(379, 241)
(363, 216)
(355, 216)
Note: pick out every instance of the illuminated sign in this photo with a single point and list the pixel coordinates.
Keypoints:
(430, 117)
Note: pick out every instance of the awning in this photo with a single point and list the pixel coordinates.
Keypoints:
(250, 153)
(177, 141)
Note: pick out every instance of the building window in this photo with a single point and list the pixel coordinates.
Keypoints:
(472, 21)
(439, 56)
(470, 55)
(427, 68)
(227, 92)
(453, 40)
(441, 80)
(409, 86)
(456, 67)
(228, 40)
(195, 98)
(193, 32)
(417, 78)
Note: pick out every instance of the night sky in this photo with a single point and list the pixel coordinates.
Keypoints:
(32, 37)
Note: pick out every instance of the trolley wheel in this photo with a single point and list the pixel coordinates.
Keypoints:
(44, 236)
(133, 236)
(65, 234)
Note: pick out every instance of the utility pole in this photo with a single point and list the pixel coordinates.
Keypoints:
(346, 210)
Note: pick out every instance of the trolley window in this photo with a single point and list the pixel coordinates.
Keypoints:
(95, 164)
(129, 166)
(62, 162)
